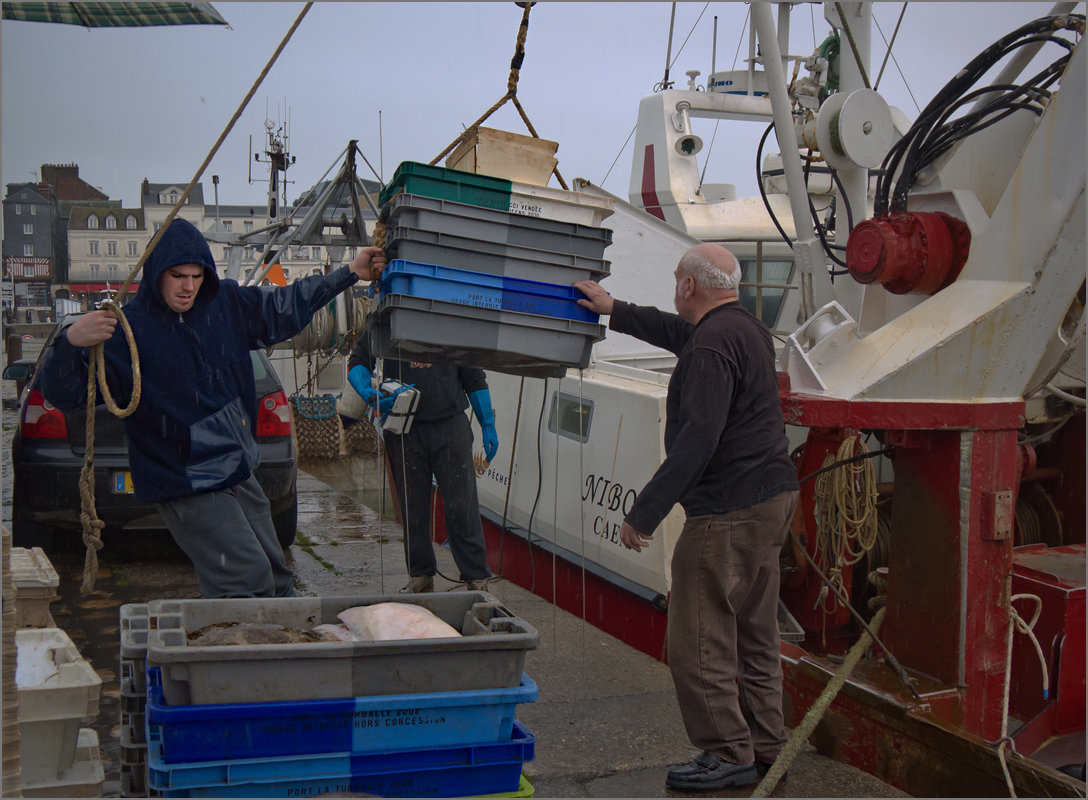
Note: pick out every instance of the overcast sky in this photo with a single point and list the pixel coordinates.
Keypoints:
(126, 104)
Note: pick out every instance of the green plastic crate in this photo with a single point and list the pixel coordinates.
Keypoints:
(448, 184)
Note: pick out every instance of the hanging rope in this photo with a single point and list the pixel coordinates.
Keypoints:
(846, 515)
(92, 525)
(511, 92)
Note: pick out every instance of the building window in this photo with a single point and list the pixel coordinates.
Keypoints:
(132, 249)
(92, 222)
(173, 198)
(228, 225)
(157, 226)
(111, 272)
(94, 271)
(249, 254)
(111, 248)
(247, 225)
(28, 250)
(33, 211)
(28, 228)
(111, 222)
(130, 222)
(18, 208)
(92, 248)
(317, 254)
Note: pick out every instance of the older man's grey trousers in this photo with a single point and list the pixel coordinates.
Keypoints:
(723, 641)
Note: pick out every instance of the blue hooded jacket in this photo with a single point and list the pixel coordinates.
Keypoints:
(193, 429)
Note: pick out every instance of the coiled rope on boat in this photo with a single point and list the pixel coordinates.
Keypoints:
(846, 513)
(92, 525)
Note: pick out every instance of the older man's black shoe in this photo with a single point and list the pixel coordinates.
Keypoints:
(763, 767)
(709, 772)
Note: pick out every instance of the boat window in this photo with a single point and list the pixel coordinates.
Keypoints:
(762, 291)
(571, 415)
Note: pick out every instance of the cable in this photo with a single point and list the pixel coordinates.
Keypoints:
(934, 133)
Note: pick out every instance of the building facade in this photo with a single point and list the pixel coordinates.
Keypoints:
(66, 239)
(29, 252)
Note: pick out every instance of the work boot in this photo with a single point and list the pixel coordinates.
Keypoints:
(419, 584)
(708, 772)
(476, 585)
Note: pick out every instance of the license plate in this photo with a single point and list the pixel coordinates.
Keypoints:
(122, 483)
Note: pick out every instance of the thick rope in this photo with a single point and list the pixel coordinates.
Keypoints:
(816, 712)
(92, 525)
(846, 515)
(511, 92)
(88, 515)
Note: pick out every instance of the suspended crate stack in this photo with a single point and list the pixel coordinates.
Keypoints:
(405, 718)
(481, 270)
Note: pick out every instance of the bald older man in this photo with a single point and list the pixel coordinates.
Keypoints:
(727, 463)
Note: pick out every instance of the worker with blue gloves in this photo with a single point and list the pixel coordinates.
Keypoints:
(438, 447)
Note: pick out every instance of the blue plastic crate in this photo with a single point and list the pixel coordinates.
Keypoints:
(360, 724)
(462, 771)
(484, 290)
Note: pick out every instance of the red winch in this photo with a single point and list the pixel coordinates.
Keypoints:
(920, 252)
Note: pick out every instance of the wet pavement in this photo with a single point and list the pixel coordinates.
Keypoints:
(606, 722)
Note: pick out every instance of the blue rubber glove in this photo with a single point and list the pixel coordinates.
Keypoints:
(481, 405)
(359, 378)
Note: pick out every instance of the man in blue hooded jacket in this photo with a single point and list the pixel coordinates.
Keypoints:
(191, 446)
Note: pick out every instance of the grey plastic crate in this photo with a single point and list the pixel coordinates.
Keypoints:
(505, 341)
(490, 225)
(133, 616)
(490, 654)
(511, 261)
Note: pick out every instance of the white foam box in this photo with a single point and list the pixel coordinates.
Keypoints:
(36, 584)
(83, 778)
(57, 688)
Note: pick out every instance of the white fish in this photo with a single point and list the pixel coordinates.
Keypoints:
(389, 621)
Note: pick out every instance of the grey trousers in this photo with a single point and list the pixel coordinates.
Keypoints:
(443, 449)
(229, 537)
(723, 641)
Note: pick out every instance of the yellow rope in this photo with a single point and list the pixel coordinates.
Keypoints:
(511, 92)
(817, 710)
(846, 514)
(92, 525)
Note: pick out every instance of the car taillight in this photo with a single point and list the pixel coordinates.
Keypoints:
(273, 415)
(41, 420)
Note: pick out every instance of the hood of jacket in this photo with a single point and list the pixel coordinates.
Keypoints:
(182, 243)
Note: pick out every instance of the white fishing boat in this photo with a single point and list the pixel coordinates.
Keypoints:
(954, 342)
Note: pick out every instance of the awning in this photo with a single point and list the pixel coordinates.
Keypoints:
(116, 14)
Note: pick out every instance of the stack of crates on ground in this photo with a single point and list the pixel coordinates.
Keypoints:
(133, 627)
(36, 584)
(57, 688)
(9, 710)
(481, 269)
(407, 718)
